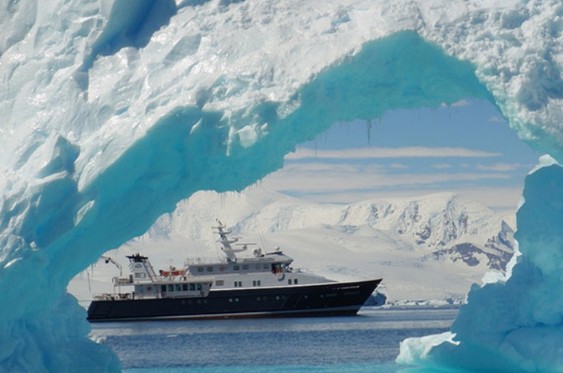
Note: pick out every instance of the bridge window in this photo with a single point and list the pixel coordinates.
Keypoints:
(185, 287)
(209, 269)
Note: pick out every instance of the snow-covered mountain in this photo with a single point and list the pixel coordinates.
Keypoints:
(427, 249)
(443, 225)
(437, 226)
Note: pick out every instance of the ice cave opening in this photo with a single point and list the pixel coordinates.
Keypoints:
(74, 207)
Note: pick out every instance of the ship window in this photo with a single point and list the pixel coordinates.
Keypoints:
(192, 287)
(245, 266)
(200, 269)
(185, 287)
(289, 281)
(178, 287)
(265, 266)
(256, 283)
(219, 282)
(170, 287)
(236, 268)
(198, 286)
(140, 275)
(163, 288)
(235, 284)
(209, 269)
(295, 281)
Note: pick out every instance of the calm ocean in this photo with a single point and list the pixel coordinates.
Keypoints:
(366, 343)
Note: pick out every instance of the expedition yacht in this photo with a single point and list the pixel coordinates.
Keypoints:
(263, 285)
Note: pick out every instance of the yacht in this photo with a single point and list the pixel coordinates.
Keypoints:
(262, 285)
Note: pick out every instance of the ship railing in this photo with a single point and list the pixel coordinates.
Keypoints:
(123, 280)
(195, 261)
(159, 280)
(118, 296)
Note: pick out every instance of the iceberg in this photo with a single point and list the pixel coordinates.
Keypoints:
(113, 111)
(515, 323)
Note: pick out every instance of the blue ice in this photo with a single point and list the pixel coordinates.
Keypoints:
(65, 201)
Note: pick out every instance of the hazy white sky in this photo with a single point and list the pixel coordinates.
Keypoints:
(465, 148)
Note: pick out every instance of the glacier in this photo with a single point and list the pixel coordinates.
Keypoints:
(113, 111)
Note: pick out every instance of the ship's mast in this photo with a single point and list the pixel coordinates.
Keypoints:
(221, 230)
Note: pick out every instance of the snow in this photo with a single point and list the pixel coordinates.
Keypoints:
(110, 117)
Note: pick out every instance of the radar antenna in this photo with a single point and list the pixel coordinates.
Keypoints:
(223, 232)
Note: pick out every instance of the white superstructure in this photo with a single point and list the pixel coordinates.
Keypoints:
(198, 278)
(260, 270)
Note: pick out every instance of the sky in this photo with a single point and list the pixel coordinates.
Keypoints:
(466, 148)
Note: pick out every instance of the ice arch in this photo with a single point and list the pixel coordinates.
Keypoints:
(69, 195)
(65, 228)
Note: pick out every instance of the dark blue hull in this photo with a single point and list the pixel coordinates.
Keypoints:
(329, 299)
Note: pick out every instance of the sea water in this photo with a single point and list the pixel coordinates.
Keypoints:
(365, 343)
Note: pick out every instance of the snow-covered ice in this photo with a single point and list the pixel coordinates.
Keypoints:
(112, 112)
